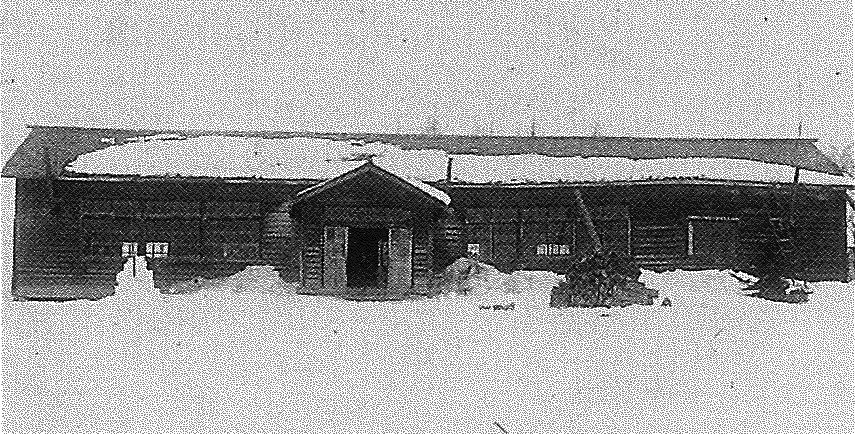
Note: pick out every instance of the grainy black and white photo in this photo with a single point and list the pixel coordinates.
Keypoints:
(414, 217)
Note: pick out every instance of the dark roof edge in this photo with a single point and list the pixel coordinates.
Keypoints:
(453, 184)
(47, 150)
(356, 134)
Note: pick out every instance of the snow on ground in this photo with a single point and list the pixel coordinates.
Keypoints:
(319, 159)
(474, 284)
(254, 279)
(221, 359)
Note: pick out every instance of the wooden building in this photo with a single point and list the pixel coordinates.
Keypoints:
(372, 233)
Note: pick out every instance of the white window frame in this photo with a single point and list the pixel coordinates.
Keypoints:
(552, 249)
(157, 249)
(130, 249)
(473, 249)
(690, 238)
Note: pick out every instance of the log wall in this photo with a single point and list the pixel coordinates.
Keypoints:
(68, 234)
(652, 224)
(48, 262)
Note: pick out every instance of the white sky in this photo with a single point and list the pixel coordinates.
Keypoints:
(628, 67)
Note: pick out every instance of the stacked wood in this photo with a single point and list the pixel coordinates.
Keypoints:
(775, 265)
(773, 287)
(602, 280)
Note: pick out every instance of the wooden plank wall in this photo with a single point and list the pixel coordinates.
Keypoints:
(71, 231)
(278, 246)
(651, 223)
(47, 261)
(312, 265)
(656, 243)
(820, 237)
(68, 233)
(509, 237)
(313, 251)
(422, 260)
(448, 242)
(400, 280)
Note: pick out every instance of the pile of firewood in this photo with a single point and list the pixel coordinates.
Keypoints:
(602, 279)
(775, 266)
(774, 287)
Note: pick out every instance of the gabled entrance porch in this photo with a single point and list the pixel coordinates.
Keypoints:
(367, 234)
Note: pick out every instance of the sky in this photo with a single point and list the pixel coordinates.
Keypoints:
(618, 68)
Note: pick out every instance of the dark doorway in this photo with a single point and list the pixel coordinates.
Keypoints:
(367, 253)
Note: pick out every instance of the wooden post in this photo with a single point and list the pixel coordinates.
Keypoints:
(47, 161)
(790, 209)
(335, 259)
(589, 222)
(400, 260)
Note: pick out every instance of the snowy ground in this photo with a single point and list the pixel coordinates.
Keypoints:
(247, 360)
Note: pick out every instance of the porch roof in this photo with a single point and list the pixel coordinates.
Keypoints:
(368, 168)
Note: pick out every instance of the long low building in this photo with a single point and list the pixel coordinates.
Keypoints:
(378, 216)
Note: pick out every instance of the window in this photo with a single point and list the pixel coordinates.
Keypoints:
(553, 249)
(473, 249)
(129, 249)
(156, 250)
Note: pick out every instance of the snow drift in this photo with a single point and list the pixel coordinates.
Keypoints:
(258, 279)
(482, 285)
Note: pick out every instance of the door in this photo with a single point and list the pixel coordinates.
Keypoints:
(335, 258)
(365, 257)
(400, 259)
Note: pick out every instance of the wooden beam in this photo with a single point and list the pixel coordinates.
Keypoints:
(47, 160)
(792, 205)
(589, 222)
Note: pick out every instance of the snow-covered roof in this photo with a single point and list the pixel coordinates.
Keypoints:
(542, 169)
(427, 189)
(47, 150)
(321, 159)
